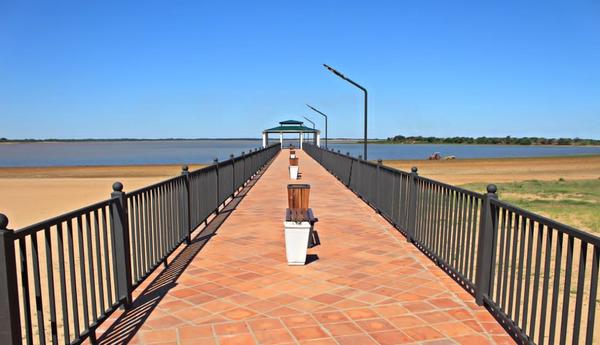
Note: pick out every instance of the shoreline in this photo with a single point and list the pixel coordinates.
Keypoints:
(96, 171)
(501, 170)
(331, 141)
(466, 144)
(575, 156)
(194, 166)
(31, 194)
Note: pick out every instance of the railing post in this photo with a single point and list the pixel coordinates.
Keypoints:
(120, 226)
(186, 173)
(231, 156)
(350, 172)
(412, 204)
(377, 185)
(216, 163)
(485, 249)
(244, 169)
(10, 322)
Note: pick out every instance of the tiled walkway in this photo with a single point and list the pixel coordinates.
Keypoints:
(364, 285)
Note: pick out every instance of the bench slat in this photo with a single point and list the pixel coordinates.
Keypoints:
(300, 215)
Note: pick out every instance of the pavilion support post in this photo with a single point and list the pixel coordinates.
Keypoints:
(281, 139)
(300, 140)
(318, 139)
(264, 140)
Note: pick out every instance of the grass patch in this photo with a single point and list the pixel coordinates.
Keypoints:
(576, 203)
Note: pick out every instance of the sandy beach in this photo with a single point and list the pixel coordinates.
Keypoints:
(30, 195)
(34, 194)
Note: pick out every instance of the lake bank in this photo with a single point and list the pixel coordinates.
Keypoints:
(103, 171)
(34, 194)
(496, 170)
(461, 151)
(30, 195)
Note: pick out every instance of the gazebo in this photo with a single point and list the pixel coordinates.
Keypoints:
(292, 126)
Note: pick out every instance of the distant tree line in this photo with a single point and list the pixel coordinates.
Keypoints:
(508, 140)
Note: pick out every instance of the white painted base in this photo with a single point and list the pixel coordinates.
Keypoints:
(296, 242)
(293, 156)
(294, 172)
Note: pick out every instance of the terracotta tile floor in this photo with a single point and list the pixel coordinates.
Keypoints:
(364, 285)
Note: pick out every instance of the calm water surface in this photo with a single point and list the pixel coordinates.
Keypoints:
(121, 152)
(204, 151)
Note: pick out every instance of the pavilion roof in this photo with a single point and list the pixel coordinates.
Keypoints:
(291, 129)
(291, 122)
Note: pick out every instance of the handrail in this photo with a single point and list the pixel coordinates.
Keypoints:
(510, 259)
(103, 251)
(44, 224)
(564, 228)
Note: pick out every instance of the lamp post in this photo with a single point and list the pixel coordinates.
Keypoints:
(307, 119)
(365, 91)
(313, 124)
(325, 122)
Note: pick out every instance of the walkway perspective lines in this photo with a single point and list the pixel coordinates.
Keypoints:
(364, 284)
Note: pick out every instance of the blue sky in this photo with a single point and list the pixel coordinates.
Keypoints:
(155, 69)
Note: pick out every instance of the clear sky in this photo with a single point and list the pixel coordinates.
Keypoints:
(155, 69)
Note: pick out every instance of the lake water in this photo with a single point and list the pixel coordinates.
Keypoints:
(204, 151)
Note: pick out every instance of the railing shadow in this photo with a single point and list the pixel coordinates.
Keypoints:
(126, 326)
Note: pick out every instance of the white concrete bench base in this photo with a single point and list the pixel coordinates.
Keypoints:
(294, 172)
(296, 242)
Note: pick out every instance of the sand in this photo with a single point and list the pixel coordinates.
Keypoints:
(462, 171)
(29, 195)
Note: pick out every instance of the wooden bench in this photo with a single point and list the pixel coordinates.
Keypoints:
(304, 215)
(300, 215)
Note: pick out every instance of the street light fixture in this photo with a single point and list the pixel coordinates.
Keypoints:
(325, 123)
(313, 124)
(332, 70)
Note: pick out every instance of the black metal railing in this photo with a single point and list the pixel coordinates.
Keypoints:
(61, 278)
(538, 277)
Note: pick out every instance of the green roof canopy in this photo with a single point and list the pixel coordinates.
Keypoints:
(291, 126)
(291, 122)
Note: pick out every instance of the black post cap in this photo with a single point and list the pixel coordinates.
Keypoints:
(379, 161)
(185, 168)
(231, 155)
(117, 186)
(491, 188)
(3, 221)
(414, 169)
